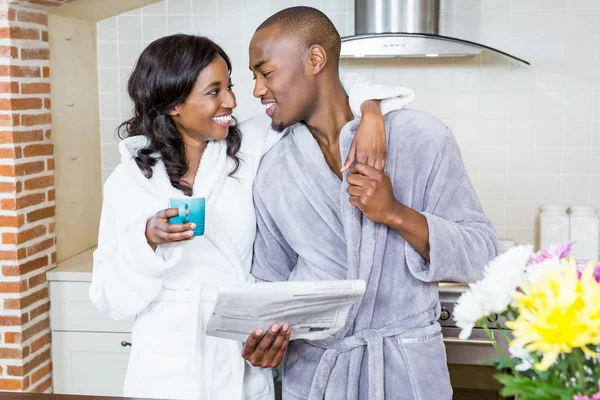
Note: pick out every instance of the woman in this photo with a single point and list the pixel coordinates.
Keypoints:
(182, 141)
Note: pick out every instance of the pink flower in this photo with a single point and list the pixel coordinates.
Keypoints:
(596, 397)
(559, 251)
(581, 267)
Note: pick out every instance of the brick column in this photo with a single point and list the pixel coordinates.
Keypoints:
(27, 238)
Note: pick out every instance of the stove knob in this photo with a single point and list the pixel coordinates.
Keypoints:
(444, 314)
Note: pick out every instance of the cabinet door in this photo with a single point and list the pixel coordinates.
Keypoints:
(72, 310)
(90, 363)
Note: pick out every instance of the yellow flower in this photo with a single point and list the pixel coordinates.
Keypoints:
(558, 313)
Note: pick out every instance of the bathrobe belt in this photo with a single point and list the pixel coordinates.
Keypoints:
(373, 340)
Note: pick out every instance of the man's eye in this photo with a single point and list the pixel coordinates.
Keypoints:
(266, 74)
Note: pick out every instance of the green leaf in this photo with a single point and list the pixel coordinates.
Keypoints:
(499, 363)
(529, 389)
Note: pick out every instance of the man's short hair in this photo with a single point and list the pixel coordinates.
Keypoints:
(309, 26)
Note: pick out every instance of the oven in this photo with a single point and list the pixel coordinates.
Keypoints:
(475, 349)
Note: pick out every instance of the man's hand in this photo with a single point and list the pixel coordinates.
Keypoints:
(369, 145)
(371, 192)
(268, 350)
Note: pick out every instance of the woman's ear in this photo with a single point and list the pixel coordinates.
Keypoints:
(175, 111)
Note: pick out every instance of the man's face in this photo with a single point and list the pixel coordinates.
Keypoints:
(279, 65)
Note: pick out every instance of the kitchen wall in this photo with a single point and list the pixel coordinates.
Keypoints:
(528, 135)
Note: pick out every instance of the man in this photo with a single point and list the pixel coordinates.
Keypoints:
(401, 231)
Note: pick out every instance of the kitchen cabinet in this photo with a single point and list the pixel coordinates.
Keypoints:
(89, 350)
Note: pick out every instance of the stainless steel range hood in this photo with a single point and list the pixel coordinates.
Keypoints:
(405, 28)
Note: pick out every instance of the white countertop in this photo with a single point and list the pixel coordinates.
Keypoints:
(79, 269)
(75, 269)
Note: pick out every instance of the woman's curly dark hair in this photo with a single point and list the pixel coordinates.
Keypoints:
(164, 77)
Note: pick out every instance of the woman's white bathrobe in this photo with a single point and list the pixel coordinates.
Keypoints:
(171, 291)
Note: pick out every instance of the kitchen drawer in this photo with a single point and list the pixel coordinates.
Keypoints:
(89, 363)
(72, 310)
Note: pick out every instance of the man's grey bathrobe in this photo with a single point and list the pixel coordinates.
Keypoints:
(391, 346)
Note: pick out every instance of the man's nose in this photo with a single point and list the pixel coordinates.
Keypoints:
(259, 89)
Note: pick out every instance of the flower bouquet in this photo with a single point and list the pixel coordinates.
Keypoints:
(551, 308)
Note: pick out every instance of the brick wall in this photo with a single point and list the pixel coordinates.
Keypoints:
(27, 195)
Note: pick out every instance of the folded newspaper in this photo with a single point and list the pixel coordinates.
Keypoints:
(314, 309)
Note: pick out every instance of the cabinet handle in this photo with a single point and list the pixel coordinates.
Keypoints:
(125, 344)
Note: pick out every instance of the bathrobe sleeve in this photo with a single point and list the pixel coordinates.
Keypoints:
(360, 89)
(274, 259)
(462, 239)
(128, 274)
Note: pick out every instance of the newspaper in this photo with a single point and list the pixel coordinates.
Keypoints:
(314, 309)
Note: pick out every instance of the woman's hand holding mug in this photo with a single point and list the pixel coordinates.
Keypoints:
(160, 231)
(183, 220)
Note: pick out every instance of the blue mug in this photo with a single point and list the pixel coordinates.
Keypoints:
(197, 209)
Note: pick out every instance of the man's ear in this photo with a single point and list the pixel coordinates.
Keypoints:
(318, 58)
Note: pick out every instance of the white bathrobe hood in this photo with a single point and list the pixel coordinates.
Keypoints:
(405, 28)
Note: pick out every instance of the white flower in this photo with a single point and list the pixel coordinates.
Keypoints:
(535, 272)
(520, 353)
(467, 310)
(492, 294)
